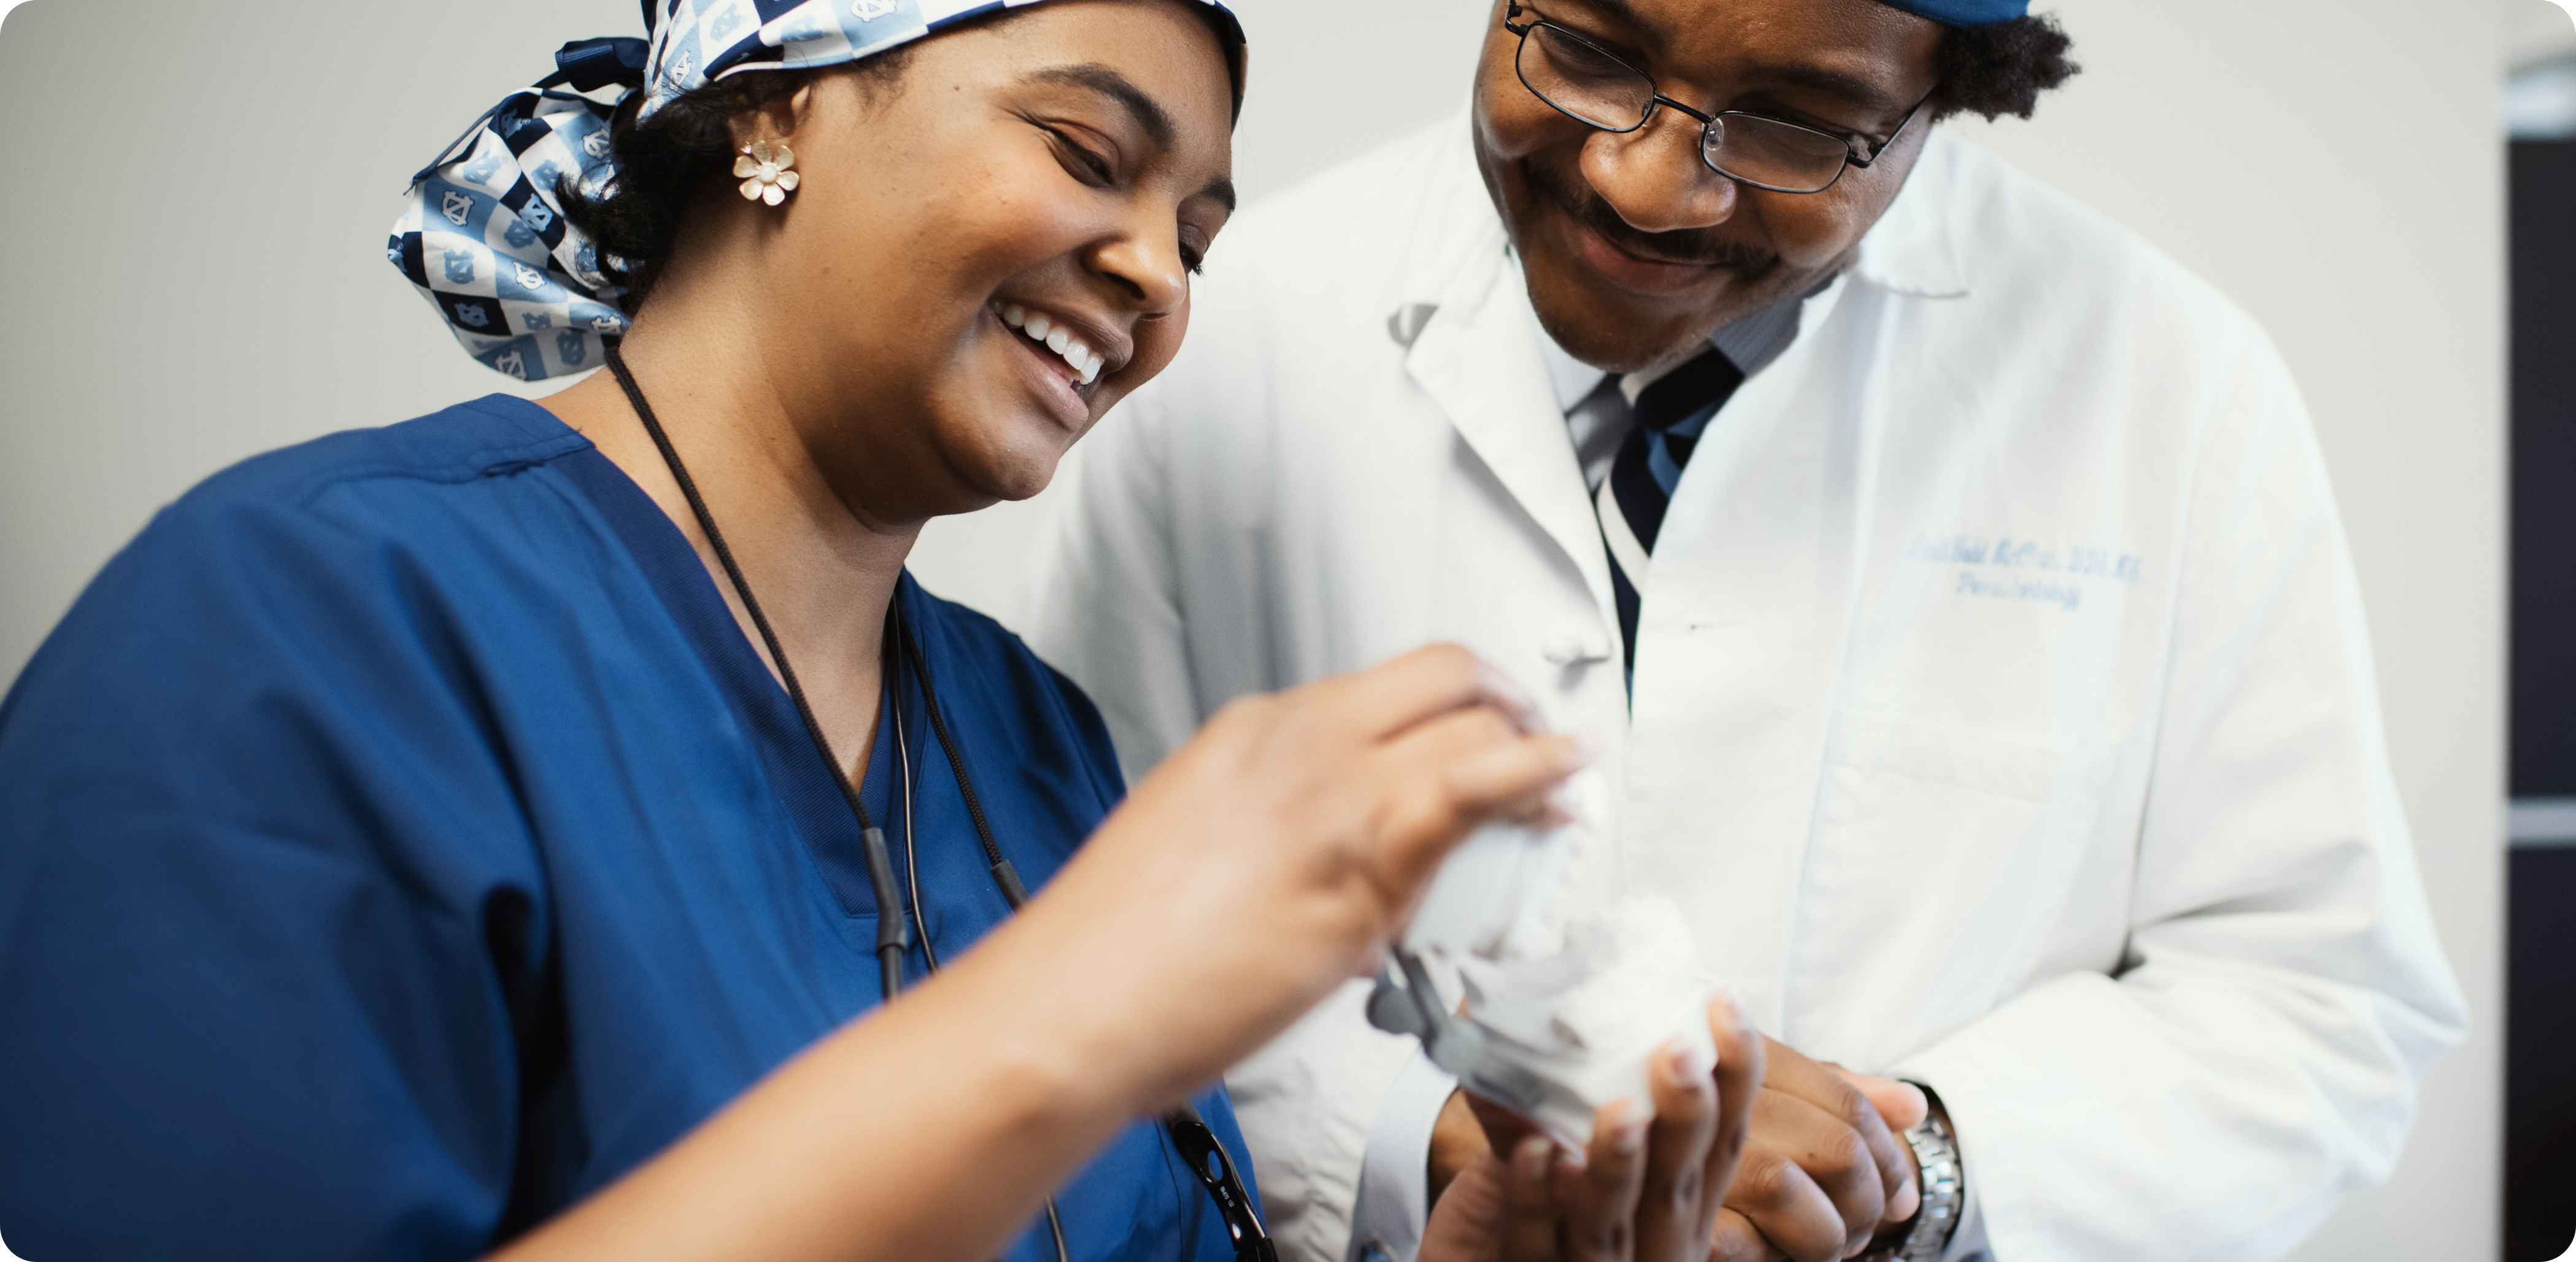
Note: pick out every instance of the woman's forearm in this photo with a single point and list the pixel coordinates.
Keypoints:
(1263, 864)
(932, 1128)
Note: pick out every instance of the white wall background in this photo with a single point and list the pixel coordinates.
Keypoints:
(191, 271)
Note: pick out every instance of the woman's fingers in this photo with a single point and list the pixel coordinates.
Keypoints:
(1672, 1221)
(1444, 777)
(1513, 775)
(1598, 1191)
(1424, 684)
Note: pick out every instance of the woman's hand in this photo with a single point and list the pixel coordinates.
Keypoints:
(1267, 861)
(1648, 1188)
(1275, 855)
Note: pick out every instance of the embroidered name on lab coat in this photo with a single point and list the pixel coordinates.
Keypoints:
(2000, 567)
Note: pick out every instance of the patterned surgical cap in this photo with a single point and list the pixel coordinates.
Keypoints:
(483, 234)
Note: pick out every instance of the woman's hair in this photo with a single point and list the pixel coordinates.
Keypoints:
(2002, 69)
(670, 158)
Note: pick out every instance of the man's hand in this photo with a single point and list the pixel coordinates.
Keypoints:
(1458, 1144)
(1827, 1170)
(1646, 1190)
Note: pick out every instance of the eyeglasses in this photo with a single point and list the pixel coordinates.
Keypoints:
(1596, 87)
(1199, 1147)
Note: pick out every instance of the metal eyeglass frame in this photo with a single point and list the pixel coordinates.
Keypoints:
(1853, 153)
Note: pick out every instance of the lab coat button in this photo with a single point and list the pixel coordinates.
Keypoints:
(1573, 648)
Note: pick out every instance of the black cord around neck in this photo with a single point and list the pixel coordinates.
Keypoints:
(893, 936)
(1004, 875)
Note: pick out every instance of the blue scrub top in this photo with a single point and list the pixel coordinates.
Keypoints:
(399, 841)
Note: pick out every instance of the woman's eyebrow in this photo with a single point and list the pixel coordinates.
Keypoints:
(1150, 116)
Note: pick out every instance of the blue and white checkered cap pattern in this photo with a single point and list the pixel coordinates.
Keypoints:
(698, 41)
(484, 237)
(483, 234)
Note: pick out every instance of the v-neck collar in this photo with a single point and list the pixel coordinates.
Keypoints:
(804, 781)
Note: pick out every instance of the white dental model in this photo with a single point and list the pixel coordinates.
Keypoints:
(1563, 1014)
(1587, 1021)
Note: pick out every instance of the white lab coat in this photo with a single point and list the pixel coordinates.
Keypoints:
(2004, 716)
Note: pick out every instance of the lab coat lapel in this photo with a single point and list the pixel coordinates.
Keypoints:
(1476, 356)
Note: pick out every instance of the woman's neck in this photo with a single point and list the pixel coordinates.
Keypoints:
(822, 569)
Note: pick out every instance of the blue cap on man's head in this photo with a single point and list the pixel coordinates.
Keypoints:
(1964, 12)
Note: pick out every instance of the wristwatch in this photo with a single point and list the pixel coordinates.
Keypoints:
(1944, 1182)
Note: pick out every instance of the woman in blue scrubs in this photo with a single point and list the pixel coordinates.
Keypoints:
(485, 831)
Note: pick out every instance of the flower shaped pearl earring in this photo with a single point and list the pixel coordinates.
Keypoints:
(767, 171)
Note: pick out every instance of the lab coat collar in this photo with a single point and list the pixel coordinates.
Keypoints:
(1473, 345)
(1574, 380)
(1912, 250)
(1472, 342)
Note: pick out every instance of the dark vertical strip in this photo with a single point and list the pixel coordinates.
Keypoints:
(2540, 961)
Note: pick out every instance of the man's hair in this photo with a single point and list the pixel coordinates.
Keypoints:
(2002, 69)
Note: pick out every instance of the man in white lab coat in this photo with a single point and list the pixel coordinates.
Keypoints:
(1950, 584)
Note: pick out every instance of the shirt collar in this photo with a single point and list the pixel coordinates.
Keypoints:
(1751, 343)
(1572, 378)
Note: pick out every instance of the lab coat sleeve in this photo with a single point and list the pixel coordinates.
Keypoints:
(1339, 1119)
(245, 1014)
(1106, 609)
(2257, 1053)
(1394, 1197)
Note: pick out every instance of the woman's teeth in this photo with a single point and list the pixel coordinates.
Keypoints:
(1086, 362)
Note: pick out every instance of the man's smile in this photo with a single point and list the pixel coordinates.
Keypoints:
(1612, 252)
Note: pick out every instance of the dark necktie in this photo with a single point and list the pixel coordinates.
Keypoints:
(1670, 416)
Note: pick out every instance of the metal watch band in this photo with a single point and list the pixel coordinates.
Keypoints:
(1944, 1182)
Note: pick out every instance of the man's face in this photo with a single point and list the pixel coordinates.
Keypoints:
(1634, 248)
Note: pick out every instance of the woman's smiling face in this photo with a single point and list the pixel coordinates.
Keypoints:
(987, 253)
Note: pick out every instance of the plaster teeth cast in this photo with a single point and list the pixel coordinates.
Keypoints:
(1575, 995)
(1055, 337)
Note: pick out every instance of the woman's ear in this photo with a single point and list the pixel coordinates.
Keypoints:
(777, 119)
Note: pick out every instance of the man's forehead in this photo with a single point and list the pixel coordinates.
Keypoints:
(1864, 40)
(1861, 49)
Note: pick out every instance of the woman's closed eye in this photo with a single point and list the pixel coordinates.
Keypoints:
(1099, 161)
(1084, 162)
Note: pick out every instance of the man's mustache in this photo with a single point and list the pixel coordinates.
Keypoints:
(1691, 245)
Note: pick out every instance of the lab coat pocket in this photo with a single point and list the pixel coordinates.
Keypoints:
(1941, 858)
